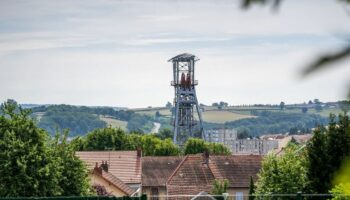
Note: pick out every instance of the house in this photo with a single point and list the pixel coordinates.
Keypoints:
(185, 177)
(119, 172)
(156, 172)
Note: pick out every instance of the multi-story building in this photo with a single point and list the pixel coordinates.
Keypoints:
(220, 135)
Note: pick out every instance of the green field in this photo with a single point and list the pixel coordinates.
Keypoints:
(222, 116)
(233, 113)
(152, 112)
(114, 122)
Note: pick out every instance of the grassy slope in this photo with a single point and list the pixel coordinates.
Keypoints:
(114, 122)
(232, 113)
(222, 116)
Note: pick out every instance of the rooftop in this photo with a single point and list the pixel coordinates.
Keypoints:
(125, 165)
(184, 57)
(157, 170)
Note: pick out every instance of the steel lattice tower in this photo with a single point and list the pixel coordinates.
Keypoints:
(185, 102)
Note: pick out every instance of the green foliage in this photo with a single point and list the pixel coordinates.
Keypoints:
(73, 179)
(105, 139)
(29, 165)
(276, 122)
(243, 134)
(117, 139)
(67, 117)
(326, 151)
(140, 123)
(195, 145)
(220, 186)
(318, 167)
(26, 168)
(338, 141)
(341, 191)
(81, 119)
(167, 148)
(251, 189)
(285, 174)
(165, 133)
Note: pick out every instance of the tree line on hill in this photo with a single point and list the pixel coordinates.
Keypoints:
(268, 122)
(82, 119)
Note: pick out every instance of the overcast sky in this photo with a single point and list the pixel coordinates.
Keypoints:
(115, 53)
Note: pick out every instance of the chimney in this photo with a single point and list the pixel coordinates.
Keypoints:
(139, 152)
(104, 166)
(97, 169)
(206, 157)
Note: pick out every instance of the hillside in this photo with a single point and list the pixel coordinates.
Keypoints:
(255, 119)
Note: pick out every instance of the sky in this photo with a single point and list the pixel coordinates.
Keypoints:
(115, 53)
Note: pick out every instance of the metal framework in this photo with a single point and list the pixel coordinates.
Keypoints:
(185, 102)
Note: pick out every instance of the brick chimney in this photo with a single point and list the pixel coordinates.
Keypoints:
(104, 166)
(139, 152)
(206, 157)
(97, 169)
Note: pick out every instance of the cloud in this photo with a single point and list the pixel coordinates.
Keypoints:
(115, 52)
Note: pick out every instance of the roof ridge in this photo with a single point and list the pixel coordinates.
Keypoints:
(176, 169)
(123, 186)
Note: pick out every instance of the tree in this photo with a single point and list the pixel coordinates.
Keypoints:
(220, 186)
(317, 165)
(326, 151)
(33, 165)
(223, 104)
(251, 189)
(242, 134)
(338, 142)
(195, 145)
(168, 105)
(285, 174)
(345, 106)
(26, 168)
(74, 180)
(165, 133)
(105, 139)
(167, 148)
(282, 104)
(304, 110)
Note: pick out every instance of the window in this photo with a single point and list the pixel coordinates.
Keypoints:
(239, 195)
(154, 193)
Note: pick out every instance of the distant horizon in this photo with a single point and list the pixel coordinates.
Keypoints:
(163, 106)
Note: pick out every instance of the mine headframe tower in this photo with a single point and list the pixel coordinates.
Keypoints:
(186, 114)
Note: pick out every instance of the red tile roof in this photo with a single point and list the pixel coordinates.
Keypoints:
(115, 181)
(125, 165)
(157, 170)
(237, 169)
(192, 171)
(195, 174)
